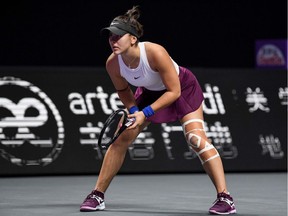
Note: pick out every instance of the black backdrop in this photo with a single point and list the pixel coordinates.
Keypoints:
(50, 119)
(197, 33)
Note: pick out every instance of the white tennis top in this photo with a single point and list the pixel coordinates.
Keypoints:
(143, 75)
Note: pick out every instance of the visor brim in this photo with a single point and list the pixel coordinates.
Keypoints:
(114, 30)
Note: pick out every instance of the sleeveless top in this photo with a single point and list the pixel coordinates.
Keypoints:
(143, 75)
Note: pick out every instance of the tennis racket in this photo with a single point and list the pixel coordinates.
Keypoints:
(116, 123)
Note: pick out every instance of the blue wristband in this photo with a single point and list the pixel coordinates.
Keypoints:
(148, 111)
(133, 109)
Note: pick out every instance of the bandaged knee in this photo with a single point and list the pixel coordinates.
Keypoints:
(203, 149)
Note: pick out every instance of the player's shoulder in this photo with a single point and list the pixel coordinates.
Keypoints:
(154, 50)
(112, 64)
(112, 60)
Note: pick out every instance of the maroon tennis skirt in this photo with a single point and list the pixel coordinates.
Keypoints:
(190, 100)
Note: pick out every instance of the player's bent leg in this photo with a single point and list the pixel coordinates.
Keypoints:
(112, 162)
(197, 140)
(114, 157)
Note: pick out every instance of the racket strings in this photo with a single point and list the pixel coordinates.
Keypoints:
(112, 128)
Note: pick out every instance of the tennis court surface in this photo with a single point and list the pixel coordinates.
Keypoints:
(139, 195)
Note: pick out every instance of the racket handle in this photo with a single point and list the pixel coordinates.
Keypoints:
(130, 121)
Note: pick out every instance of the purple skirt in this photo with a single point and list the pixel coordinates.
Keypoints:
(190, 100)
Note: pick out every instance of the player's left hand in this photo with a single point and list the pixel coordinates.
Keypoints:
(139, 119)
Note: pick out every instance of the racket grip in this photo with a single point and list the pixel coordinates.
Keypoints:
(130, 121)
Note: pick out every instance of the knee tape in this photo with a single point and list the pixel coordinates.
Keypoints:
(204, 150)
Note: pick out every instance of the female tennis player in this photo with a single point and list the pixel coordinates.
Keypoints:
(166, 92)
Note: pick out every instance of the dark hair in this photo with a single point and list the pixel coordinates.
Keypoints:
(131, 18)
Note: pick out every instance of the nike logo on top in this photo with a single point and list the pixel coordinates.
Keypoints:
(137, 77)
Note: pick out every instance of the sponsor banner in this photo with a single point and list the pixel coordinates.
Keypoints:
(271, 54)
(50, 120)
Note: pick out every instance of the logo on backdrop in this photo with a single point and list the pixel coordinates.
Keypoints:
(31, 128)
(271, 53)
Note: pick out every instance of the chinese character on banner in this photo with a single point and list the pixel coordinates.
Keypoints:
(283, 95)
(222, 140)
(271, 145)
(257, 100)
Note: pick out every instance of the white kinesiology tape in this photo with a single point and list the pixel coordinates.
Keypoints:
(195, 142)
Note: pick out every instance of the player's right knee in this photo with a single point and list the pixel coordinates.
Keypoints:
(126, 138)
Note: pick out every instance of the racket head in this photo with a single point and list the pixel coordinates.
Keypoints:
(112, 128)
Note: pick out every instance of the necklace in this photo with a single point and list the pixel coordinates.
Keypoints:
(131, 62)
(129, 65)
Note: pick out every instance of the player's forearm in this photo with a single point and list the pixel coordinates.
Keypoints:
(165, 100)
(127, 98)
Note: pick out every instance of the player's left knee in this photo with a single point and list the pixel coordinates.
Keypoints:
(197, 141)
(204, 150)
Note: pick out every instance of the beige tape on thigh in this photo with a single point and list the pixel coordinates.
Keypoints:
(206, 151)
